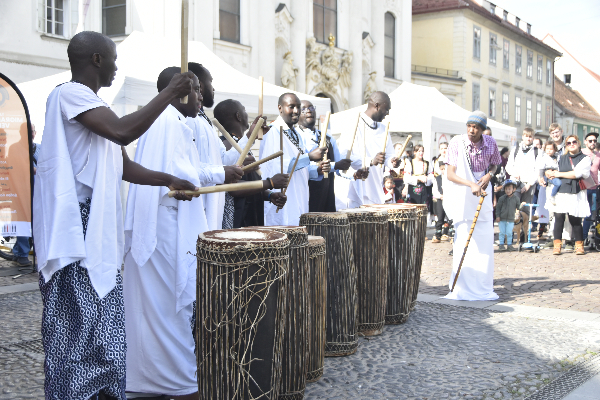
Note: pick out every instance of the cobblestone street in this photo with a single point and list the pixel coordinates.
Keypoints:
(443, 352)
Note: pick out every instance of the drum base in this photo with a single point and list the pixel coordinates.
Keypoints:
(340, 349)
(396, 319)
(413, 305)
(371, 329)
(291, 396)
(314, 376)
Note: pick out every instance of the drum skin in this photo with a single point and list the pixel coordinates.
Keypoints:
(317, 300)
(340, 323)
(295, 331)
(402, 221)
(370, 246)
(240, 313)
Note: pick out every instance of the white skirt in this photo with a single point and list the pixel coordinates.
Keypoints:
(576, 205)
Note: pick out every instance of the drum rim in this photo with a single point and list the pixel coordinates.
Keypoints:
(271, 238)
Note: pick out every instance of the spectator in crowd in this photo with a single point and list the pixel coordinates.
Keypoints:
(521, 166)
(537, 142)
(488, 131)
(397, 173)
(571, 201)
(389, 190)
(556, 134)
(22, 245)
(505, 215)
(548, 187)
(418, 174)
(591, 140)
(439, 173)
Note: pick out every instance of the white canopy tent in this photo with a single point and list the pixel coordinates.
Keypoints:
(424, 109)
(141, 58)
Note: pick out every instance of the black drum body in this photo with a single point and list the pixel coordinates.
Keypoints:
(317, 300)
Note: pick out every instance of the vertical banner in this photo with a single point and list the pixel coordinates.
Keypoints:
(16, 167)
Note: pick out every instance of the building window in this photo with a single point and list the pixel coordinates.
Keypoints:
(548, 122)
(517, 21)
(55, 17)
(505, 15)
(114, 14)
(390, 44)
(518, 59)
(529, 64)
(548, 72)
(229, 20)
(493, 8)
(529, 29)
(476, 103)
(517, 109)
(540, 68)
(477, 42)
(538, 114)
(493, 46)
(505, 56)
(492, 112)
(504, 106)
(324, 19)
(528, 112)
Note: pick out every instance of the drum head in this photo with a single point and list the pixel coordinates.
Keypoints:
(316, 240)
(356, 215)
(298, 235)
(228, 238)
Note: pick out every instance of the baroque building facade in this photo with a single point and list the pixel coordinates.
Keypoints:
(340, 49)
(484, 58)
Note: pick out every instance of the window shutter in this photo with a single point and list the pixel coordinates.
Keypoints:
(41, 16)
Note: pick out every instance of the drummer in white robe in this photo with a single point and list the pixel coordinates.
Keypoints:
(293, 143)
(160, 268)
(367, 154)
(212, 152)
(471, 162)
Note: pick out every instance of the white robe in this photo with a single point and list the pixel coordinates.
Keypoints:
(57, 225)
(214, 155)
(370, 191)
(476, 279)
(297, 191)
(160, 269)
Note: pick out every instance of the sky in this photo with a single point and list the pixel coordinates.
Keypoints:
(575, 24)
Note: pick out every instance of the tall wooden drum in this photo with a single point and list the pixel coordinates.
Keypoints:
(402, 221)
(240, 313)
(317, 300)
(420, 249)
(295, 326)
(371, 248)
(340, 323)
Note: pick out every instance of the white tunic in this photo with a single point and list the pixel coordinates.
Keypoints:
(476, 279)
(367, 144)
(576, 205)
(297, 192)
(160, 269)
(75, 163)
(213, 155)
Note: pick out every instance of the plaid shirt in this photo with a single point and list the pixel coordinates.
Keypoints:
(483, 154)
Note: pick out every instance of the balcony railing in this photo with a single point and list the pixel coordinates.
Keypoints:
(435, 71)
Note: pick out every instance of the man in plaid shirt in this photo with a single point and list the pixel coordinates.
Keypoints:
(471, 162)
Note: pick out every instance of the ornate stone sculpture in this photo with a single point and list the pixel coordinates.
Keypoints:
(313, 64)
(289, 72)
(346, 71)
(371, 86)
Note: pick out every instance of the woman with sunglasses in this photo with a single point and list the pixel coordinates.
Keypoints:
(570, 200)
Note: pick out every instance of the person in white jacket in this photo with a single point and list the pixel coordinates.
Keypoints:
(522, 166)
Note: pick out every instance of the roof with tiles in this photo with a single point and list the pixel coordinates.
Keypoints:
(572, 102)
(429, 6)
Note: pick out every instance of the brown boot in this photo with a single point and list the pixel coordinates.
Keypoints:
(557, 246)
(579, 248)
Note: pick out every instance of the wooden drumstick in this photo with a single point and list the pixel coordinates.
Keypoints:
(468, 239)
(227, 136)
(264, 160)
(185, 8)
(244, 152)
(261, 81)
(387, 131)
(404, 146)
(291, 174)
(352, 142)
(220, 188)
(281, 146)
(324, 140)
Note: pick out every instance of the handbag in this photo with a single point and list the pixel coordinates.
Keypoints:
(586, 183)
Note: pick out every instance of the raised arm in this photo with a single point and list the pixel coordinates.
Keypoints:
(104, 122)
